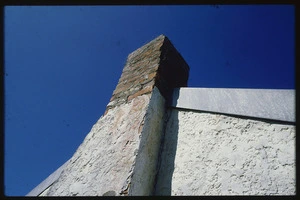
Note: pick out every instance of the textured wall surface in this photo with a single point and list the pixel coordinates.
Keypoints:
(143, 178)
(213, 154)
(120, 154)
(103, 164)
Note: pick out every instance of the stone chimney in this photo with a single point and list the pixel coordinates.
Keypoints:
(120, 154)
(147, 143)
(154, 64)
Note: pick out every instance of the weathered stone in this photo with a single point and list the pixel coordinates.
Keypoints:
(151, 62)
(141, 147)
(128, 79)
(120, 154)
(141, 92)
(150, 83)
(150, 76)
(121, 88)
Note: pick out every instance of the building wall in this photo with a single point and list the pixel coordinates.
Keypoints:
(151, 140)
(214, 154)
(103, 164)
(145, 169)
(120, 154)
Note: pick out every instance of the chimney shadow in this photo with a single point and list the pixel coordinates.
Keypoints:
(168, 154)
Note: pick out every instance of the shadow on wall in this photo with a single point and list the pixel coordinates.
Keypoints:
(167, 165)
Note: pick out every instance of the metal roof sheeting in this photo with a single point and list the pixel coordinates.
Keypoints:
(274, 104)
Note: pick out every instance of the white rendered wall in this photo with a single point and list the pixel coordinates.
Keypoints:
(119, 154)
(214, 154)
(145, 169)
(103, 164)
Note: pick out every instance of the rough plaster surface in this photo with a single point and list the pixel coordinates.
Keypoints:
(119, 156)
(119, 148)
(143, 179)
(213, 154)
(103, 164)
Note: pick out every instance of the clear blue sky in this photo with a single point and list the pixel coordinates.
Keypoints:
(62, 64)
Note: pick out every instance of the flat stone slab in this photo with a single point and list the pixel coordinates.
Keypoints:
(275, 104)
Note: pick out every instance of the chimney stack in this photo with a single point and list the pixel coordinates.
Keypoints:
(120, 154)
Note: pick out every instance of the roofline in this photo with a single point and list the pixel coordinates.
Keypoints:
(47, 182)
(273, 104)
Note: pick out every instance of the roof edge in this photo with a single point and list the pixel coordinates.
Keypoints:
(47, 182)
(273, 104)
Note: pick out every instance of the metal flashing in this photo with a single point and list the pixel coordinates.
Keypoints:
(274, 104)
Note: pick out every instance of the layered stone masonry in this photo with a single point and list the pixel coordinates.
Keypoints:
(155, 64)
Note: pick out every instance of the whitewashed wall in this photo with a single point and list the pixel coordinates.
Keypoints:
(202, 153)
(214, 154)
